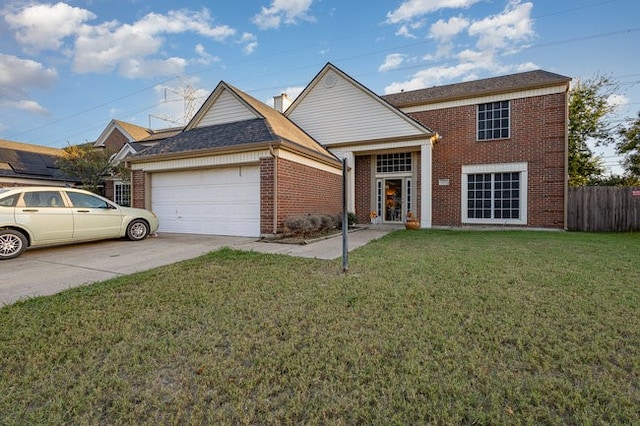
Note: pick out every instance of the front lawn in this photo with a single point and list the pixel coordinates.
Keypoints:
(441, 327)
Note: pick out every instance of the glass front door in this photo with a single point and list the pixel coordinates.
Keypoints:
(393, 200)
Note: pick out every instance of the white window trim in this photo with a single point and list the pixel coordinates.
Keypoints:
(478, 123)
(117, 183)
(522, 168)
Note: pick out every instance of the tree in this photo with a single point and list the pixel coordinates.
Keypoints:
(589, 120)
(87, 164)
(629, 146)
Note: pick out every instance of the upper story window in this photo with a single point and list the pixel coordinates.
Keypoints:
(493, 120)
(393, 163)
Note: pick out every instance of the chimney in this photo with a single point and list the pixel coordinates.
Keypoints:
(281, 102)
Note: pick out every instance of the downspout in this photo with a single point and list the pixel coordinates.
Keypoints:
(275, 189)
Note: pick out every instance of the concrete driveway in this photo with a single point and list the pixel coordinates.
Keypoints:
(46, 271)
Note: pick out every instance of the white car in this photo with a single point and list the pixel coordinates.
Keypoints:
(39, 216)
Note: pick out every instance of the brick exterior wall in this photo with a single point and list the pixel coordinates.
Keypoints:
(538, 129)
(301, 190)
(266, 195)
(138, 189)
(109, 189)
(115, 141)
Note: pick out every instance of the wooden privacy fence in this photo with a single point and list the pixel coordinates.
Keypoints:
(604, 209)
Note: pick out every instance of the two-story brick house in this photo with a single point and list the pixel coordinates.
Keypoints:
(498, 157)
(503, 153)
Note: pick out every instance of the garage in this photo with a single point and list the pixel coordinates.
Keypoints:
(221, 201)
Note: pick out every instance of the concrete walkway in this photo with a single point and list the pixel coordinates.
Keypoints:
(50, 270)
(329, 248)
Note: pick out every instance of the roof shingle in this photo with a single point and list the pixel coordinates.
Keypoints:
(211, 137)
(521, 81)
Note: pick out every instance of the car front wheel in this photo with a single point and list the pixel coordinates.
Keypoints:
(137, 230)
(12, 244)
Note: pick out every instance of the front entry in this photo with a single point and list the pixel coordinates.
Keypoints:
(394, 199)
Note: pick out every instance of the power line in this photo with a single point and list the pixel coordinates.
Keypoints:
(343, 59)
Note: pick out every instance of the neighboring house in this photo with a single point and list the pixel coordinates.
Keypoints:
(121, 139)
(24, 164)
(241, 167)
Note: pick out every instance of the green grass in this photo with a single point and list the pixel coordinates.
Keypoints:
(439, 327)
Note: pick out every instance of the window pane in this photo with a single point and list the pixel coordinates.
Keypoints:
(493, 120)
(393, 163)
(493, 196)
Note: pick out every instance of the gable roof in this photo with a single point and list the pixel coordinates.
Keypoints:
(255, 123)
(21, 160)
(160, 134)
(495, 85)
(334, 108)
(131, 131)
(278, 123)
(217, 136)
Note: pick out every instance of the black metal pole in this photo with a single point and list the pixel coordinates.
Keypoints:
(345, 219)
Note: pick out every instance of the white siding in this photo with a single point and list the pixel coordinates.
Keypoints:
(336, 111)
(226, 109)
(200, 162)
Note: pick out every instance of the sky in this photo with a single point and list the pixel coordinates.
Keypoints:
(68, 68)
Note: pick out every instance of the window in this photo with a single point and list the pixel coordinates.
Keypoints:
(493, 120)
(495, 194)
(43, 199)
(9, 201)
(87, 201)
(122, 194)
(393, 163)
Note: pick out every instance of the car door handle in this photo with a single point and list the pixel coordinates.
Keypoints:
(83, 211)
(29, 210)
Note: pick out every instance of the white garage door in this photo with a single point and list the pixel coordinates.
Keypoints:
(214, 201)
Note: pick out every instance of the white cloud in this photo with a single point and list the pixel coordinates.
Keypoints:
(17, 73)
(44, 26)
(392, 61)
(205, 58)
(472, 64)
(412, 9)
(403, 31)
(17, 76)
(503, 31)
(292, 93)
(617, 100)
(431, 77)
(283, 11)
(133, 50)
(29, 106)
(129, 48)
(444, 32)
(250, 42)
(175, 98)
(180, 21)
(135, 68)
(495, 37)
